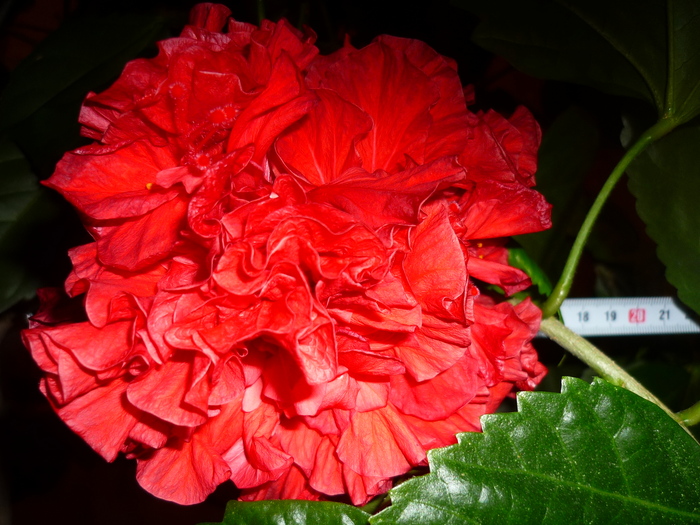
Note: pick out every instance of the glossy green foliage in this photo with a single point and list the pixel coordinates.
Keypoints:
(665, 179)
(291, 512)
(592, 454)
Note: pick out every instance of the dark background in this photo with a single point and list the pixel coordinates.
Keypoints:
(50, 476)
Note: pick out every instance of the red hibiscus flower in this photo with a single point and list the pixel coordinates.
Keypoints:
(284, 288)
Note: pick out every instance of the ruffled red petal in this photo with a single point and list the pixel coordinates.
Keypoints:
(284, 285)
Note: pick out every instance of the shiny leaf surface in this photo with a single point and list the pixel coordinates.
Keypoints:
(592, 454)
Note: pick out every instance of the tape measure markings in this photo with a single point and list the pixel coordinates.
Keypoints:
(627, 316)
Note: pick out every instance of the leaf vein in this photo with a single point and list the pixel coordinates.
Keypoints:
(620, 49)
(584, 488)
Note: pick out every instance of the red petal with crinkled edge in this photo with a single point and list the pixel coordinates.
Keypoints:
(228, 381)
(94, 348)
(433, 348)
(139, 243)
(503, 150)
(282, 37)
(254, 459)
(262, 453)
(360, 361)
(378, 443)
(185, 472)
(161, 392)
(327, 474)
(363, 488)
(55, 307)
(213, 198)
(381, 199)
(395, 94)
(103, 284)
(292, 485)
(150, 431)
(102, 417)
(441, 433)
(495, 209)
(512, 280)
(371, 395)
(531, 316)
(285, 385)
(65, 379)
(114, 186)
(306, 239)
(211, 17)
(283, 102)
(435, 268)
(501, 337)
(439, 397)
(531, 134)
(300, 442)
(40, 347)
(323, 146)
(451, 123)
(290, 315)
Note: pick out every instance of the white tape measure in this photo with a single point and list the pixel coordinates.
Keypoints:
(626, 316)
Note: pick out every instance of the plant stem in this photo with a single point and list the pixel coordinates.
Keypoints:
(261, 11)
(375, 504)
(561, 290)
(690, 416)
(602, 364)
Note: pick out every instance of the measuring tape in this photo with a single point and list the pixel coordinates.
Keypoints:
(627, 316)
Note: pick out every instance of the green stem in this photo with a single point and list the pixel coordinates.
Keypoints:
(690, 416)
(561, 290)
(374, 505)
(261, 11)
(601, 363)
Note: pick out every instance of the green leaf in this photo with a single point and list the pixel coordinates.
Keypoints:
(648, 49)
(519, 258)
(291, 512)
(90, 47)
(19, 196)
(592, 454)
(41, 103)
(683, 97)
(567, 153)
(665, 179)
(16, 284)
(616, 47)
(18, 188)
